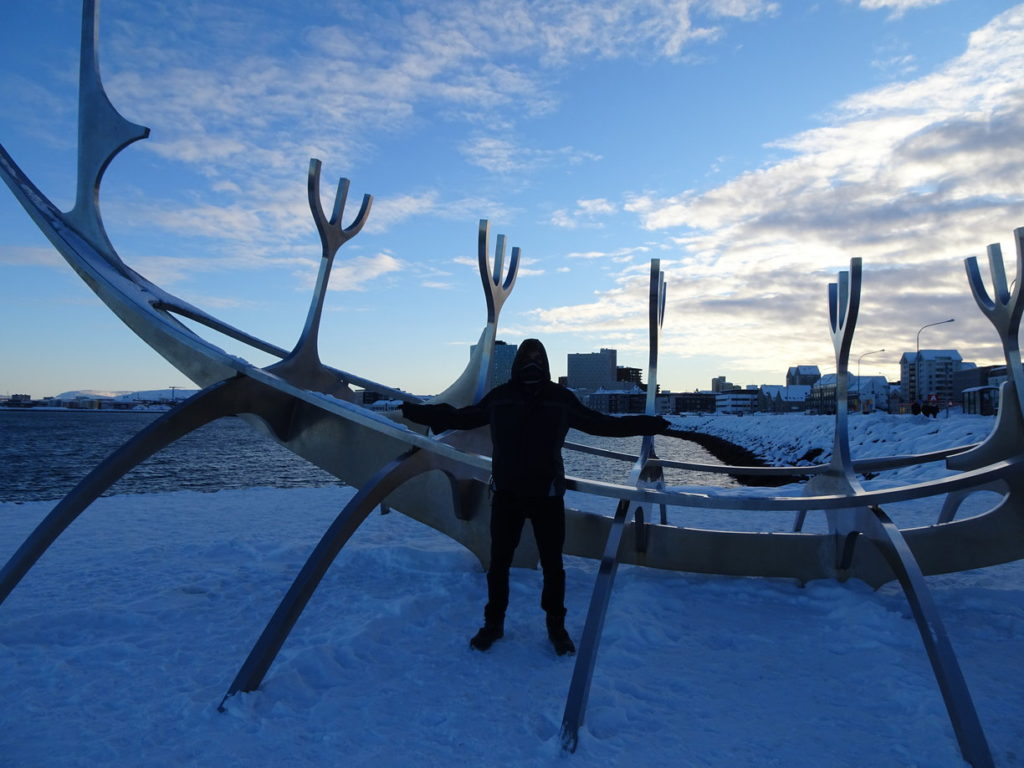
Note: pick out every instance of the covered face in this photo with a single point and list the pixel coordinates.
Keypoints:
(531, 363)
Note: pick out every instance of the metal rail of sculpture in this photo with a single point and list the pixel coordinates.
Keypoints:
(307, 406)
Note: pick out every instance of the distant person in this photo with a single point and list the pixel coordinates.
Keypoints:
(915, 407)
(529, 417)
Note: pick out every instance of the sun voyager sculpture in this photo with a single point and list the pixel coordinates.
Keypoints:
(307, 406)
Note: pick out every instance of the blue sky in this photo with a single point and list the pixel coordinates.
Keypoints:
(754, 147)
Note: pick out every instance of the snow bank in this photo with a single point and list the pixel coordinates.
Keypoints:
(118, 645)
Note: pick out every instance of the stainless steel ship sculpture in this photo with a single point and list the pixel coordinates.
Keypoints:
(308, 407)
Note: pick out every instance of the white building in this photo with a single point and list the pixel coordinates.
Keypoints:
(929, 372)
(863, 393)
(737, 401)
(783, 398)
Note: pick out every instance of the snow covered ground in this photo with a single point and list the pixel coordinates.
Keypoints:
(117, 647)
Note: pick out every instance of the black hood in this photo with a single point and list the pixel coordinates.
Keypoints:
(531, 363)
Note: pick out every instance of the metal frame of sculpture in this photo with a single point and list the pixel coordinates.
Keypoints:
(307, 406)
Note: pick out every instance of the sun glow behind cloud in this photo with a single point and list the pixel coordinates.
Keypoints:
(911, 177)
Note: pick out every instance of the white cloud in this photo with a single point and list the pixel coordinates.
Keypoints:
(595, 207)
(353, 274)
(586, 213)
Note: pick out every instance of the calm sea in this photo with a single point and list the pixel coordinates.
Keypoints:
(43, 454)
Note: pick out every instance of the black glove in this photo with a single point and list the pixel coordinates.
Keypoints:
(410, 412)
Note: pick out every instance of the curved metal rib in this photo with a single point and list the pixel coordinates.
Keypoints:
(959, 705)
(874, 464)
(263, 653)
(586, 659)
(642, 476)
(385, 481)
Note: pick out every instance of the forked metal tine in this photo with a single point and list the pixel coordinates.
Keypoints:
(354, 228)
(998, 272)
(313, 195)
(655, 318)
(833, 309)
(499, 259)
(844, 297)
(978, 289)
(513, 270)
(661, 299)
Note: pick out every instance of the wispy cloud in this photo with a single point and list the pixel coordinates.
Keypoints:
(354, 274)
(620, 255)
(503, 156)
(388, 212)
(19, 256)
(896, 8)
(586, 213)
(229, 97)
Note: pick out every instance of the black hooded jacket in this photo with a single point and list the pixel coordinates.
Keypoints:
(529, 417)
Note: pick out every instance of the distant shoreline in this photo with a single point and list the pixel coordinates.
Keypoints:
(54, 409)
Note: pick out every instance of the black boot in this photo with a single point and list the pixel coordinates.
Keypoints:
(488, 633)
(559, 637)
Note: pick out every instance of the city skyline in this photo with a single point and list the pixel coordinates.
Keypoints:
(754, 147)
(501, 368)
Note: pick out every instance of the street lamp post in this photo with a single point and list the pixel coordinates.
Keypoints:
(917, 357)
(875, 352)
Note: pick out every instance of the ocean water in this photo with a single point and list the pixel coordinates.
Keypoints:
(44, 454)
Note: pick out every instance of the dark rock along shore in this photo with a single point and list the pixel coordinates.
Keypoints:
(735, 455)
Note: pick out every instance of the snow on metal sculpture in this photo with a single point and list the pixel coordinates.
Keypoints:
(307, 406)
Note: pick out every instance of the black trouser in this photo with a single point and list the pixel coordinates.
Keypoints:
(508, 515)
